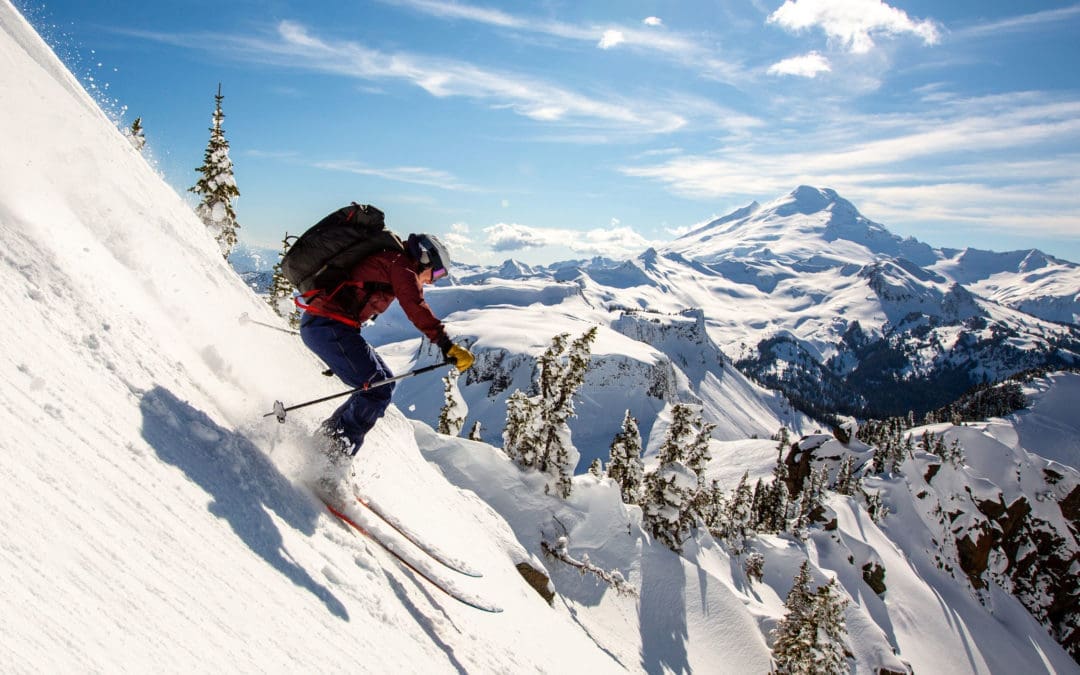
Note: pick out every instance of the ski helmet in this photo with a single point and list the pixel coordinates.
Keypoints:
(430, 253)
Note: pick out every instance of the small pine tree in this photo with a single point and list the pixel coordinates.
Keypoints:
(597, 468)
(451, 417)
(216, 186)
(474, 433)
(537, 433)
(519, 436)
(754, 566)
(830, 655)
(668, 504)
(679, 434)
(812, 636)
(794, 636)
(135, 135)
(844, 476)
(676, 498)
(697, 454)
(740, 514)
(624, 461)
(282, 291)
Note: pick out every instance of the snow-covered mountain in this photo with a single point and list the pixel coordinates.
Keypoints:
(155, 520)
(809, 297)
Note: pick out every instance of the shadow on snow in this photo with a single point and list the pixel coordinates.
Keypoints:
(241, 480)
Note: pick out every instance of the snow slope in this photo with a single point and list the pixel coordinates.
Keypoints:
(152, 518)
(155, 520)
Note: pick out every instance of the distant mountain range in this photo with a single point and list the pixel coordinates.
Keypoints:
(802, 295)
(808, 296)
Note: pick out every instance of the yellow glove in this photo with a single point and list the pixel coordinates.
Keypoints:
(461, 357)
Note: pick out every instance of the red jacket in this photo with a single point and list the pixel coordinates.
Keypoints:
(377, 281)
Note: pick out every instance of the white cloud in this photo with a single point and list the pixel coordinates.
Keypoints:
(458, 238)
(852, 23)
(614, 242)
(954, 161)
(415, 175)
(686, 50)
(611, 38)
(1023, 22)
(807, 65)
(536, 99)
(514, 237)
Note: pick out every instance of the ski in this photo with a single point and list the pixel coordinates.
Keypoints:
(412, 565)
(457, 565)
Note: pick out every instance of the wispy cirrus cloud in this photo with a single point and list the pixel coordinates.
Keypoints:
(915, 165)
(687, 51)
(415, 175)
(852, 23)
(1020, 23)
(616, 241)
(293, 45)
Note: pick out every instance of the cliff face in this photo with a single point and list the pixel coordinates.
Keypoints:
(988, 515)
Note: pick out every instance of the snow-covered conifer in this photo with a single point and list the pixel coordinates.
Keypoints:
(537, 433)
(844, 476)
(135, 134)
(474, 433)
(812, 636)
(831, 653)
(754, 566)
(451, 417)
(740, 514)
(697, 454)
(597, 468)
(216, 186)
(668, 503)
(679, 434)
(624, 461)
(519, 437)
(281, 290)
(794, 635)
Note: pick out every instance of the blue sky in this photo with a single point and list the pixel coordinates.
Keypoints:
(553, 130)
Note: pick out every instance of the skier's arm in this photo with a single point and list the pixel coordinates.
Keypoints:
(410, 293)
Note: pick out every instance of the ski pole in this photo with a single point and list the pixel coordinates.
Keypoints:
(280, 409)
(244, 318)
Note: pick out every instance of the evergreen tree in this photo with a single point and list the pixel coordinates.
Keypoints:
(135, 135)
(679, 434)
(474, 433)
(794, 637)
(697, 454)
(537, 433)
(624, 460)
(282, 291)
(519, 436)
(451, 419)
(676, 498)
(714, 509)
(830, 656)
(845, 477)
(597, 468)
(668, 504)
(740, 515)
(216, 186)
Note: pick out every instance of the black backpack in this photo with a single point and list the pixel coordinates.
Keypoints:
(322, 257)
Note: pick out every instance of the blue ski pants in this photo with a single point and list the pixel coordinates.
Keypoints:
(356, 363)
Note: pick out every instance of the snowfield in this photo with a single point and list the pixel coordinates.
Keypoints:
(154, 520)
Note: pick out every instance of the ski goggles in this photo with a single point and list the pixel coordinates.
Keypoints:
(438, 273)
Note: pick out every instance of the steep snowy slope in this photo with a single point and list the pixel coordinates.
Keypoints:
(151, 517)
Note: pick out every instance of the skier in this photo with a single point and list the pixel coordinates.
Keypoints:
(330, 327)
